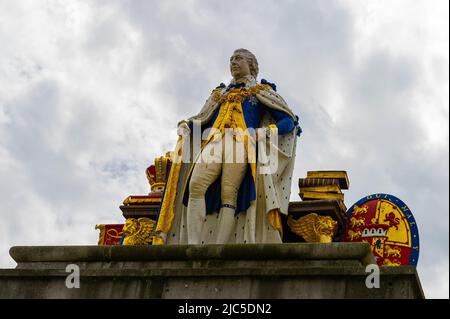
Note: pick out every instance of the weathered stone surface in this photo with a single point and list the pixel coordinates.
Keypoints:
(335, 270)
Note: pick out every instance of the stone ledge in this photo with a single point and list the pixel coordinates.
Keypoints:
(396, 283)
(216, 272)
(296, 251)
(301, 270)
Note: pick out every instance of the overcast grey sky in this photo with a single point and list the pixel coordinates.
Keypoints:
(91, 91)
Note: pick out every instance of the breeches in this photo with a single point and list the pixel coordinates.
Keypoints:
(217, 157)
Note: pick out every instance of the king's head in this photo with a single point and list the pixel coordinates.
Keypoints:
(242, 64)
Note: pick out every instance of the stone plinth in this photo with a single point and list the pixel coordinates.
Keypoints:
(295, 270)
(136, 211)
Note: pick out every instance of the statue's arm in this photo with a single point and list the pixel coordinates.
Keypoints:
(284, 122)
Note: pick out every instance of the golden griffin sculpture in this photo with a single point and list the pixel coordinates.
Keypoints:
(314, 228)
(138, 231)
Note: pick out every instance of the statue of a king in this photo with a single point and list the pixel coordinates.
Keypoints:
(231, 186)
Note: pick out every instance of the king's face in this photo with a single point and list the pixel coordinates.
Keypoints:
(239, 66)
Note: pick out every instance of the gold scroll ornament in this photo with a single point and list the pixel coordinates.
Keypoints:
(314, 228)
(105, 234)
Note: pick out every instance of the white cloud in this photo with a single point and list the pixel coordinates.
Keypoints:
(435, 279)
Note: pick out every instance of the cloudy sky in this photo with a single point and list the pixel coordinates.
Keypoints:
(91, 91)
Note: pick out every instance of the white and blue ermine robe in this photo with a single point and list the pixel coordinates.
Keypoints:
(259, 196)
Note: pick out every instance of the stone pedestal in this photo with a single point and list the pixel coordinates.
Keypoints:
(295, 270)
(137, 211)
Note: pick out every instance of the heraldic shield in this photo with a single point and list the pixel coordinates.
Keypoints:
(388, 225)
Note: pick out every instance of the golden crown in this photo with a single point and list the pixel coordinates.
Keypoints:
(157, 173)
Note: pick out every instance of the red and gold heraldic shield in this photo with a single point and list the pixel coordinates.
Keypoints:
(110, 234)
(387, 224)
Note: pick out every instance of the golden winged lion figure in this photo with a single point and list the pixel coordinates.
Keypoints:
(314, 228)
(138, 231)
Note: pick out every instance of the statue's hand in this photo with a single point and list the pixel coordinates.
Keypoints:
(272, 129)
(267, 132)
(183, 129)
